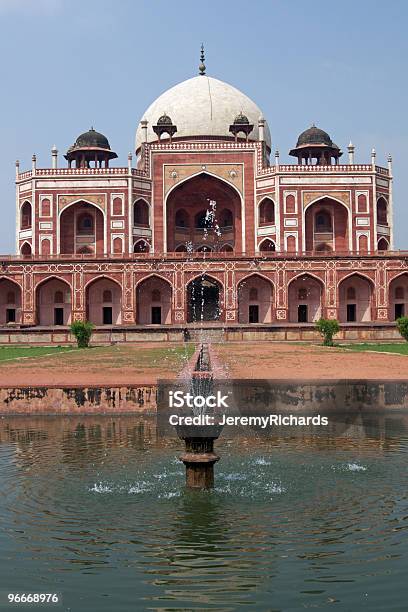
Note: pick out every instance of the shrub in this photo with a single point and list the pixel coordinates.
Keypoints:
(327, 328)
(402, 326)
(82, 330)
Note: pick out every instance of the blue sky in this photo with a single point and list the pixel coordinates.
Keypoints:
(69, 64)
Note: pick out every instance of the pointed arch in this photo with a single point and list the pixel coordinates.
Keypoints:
(154, 295)
(97, 311)
(398, 296)
(26, 249)
(267, 245)
(382, 210)
(67, 228)
(305, 298)
(204, 298)
(26, 215)
(383, 244)
(49, 312)
(266, 211)
(10, 301)
(194, 194)
(255, 299)
(200, 173)
(141, 246)
(208, 276)
(356, 306)
(141, 212)
(337, 233)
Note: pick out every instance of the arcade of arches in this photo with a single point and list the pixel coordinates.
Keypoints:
(204, 298)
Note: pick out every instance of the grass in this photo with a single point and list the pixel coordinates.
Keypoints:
(8, 353)
(100, 358)
(398, 348)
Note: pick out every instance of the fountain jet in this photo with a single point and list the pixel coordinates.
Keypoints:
(199, 456)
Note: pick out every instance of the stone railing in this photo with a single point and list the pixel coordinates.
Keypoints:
(79, 172)
(209, 255)
(303, 169)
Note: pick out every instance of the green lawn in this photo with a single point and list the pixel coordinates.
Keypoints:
(14, 352)
(400, 349)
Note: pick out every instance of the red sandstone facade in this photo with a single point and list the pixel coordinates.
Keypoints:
(128, 246)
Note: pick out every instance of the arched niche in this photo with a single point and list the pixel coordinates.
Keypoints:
(326, 222)
(305, 297)
(10, 302)
(356, 296)
(53, 300)
(153, 301)
(255, 298)
(204, 299)
(99, 311)
(203, 205)
(81, 229)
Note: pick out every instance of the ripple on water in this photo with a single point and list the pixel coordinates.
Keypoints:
(299, 519)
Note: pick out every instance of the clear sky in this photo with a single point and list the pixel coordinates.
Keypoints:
(69, 64)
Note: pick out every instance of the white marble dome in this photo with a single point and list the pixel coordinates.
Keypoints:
(202, 106)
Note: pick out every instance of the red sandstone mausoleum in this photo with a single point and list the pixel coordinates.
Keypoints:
(134, 247)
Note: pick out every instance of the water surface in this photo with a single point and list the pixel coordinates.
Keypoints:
(95, 508)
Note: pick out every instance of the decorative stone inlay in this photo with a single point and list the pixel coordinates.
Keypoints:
(231, 173)
(382, 313)
(310, 196)
(66, 200)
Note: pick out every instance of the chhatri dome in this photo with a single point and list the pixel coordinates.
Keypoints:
(202, 106)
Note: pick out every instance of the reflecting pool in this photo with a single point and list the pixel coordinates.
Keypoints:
(95, 508)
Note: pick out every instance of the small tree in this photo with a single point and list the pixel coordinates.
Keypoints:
(327, 328)
(402, 326)
(82, 330)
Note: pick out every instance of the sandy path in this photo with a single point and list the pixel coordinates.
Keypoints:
(291, 361)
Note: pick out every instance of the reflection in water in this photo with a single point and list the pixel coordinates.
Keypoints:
(95, 508)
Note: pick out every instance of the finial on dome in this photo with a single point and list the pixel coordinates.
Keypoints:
(201, 67)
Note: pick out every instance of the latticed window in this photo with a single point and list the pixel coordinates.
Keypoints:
(156, 296)
(302, 293)
(11, 297)
(399, 293)
(107, 295)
